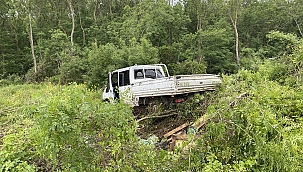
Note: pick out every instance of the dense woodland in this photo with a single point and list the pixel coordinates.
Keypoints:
(70, 40)
(55, 55)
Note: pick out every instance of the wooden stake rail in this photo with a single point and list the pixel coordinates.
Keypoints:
(178, 135)
(175, 130)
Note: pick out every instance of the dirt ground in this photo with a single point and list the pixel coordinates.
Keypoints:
(162, 120)
(160, 125)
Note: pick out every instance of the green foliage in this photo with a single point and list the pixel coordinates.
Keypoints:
(209, 48)
(261, 17)
(216, 50)
(59, 62)
(254, 122)
(74, 67)
(72, 126)
(109, 57)
(281, 43)
(187, 67)
(51, 53)
(17, 104)
(251, 59)
(141, 53)
(69, 128)
(173, 33)
(288, 67)
(101, 62)
(11, 80)
(157, 21)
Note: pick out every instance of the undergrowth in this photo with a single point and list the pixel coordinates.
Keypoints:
(254, 123)
(68, 128)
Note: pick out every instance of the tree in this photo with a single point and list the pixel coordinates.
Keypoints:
(16, 54)
(53, 52)
(31, 39)
(292, 8)
(109, 57)
(199, 9)
(72, 13)
(258, 18)
(233, 7)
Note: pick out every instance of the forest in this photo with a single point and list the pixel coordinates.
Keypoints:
(56, 54)
(80, 41)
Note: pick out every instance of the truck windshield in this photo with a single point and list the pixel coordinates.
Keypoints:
(159, 73)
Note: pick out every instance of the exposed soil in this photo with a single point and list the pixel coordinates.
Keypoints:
(160, 125)
(159, 122)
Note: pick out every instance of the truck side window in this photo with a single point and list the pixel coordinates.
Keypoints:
(139, 74)
(115, 79)
(121, 79)
(150, 73)
(124, 78)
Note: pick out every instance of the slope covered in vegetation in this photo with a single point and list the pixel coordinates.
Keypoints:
(254, 124)
(68, 128)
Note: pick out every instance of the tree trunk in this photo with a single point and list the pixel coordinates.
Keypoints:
(297, 23)
(199, 18)
(234, 23)
(31, 40)
(199, 27)
(298, 27)
(199, 55)
(95, 12)
(110, 9)
(83, 32)
(73, 22)
(2, 53)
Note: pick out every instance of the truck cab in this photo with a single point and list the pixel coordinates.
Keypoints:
(119, 81)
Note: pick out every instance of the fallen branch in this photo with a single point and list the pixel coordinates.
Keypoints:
(233, 103)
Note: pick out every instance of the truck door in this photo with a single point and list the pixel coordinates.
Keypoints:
(124, 86)
(108, 93)
(115, 85)
(119, 82)
(124, 80)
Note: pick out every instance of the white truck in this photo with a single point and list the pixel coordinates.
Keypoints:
(141, 84)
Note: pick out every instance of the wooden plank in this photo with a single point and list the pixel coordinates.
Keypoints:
(175, 130)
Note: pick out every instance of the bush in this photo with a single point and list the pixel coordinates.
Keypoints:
(69, 128)
(254, 125)
(11, 80)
